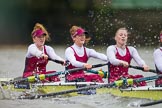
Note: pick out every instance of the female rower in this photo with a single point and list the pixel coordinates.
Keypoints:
(78, 56)
(120, 56)
(38, 54)
(158, 61)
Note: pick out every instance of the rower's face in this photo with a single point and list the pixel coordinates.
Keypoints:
(39, 40)
(160, 39)
(121, 37)
(79, 39)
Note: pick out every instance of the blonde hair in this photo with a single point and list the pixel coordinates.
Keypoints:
(40, 26)
(73, 31)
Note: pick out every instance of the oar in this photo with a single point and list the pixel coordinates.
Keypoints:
(56, 61)
(102, 73)
(31, 78)
(150, 103)
(116, 83)
(67, 63)
(68, 91)
(43, 76)
(141, 68)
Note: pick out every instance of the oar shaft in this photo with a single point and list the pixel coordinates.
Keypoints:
(93, 66)
(56, 61)
(99, 65)
(151, 103)
(141, 68)
(148, 78)
(43, 76)
(69, 91)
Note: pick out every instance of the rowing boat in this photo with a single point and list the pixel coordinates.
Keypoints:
(53, 87)
(80, 88)
(146, 92)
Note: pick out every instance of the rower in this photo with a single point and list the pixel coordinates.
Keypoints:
(38, 54)
(78, 56)
(158, 61)
(120, 56)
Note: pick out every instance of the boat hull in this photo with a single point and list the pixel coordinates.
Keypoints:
(146, 92)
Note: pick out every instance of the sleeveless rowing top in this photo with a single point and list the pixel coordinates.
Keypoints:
(35, 65)
(119, 71)
(83, 59)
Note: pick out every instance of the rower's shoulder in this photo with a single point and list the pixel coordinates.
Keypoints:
(131, 48)
(31, 46)
(157, 51)
(111, 46)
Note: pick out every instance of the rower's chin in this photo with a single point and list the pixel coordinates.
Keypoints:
(82, 42)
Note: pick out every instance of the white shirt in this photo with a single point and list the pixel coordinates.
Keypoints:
(111, 54)
(69, 55)
(34, 51)
(158, 58)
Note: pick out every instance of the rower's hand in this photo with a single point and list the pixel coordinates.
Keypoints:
(124, 63)
(145, 68)
(66, 63)
(88, 66)
(44, 56)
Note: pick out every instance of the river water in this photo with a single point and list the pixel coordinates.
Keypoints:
(12, 65)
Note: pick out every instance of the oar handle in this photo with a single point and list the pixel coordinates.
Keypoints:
(99, 65)
(136, 67)
(152, 70)
(75, 69)
(56, 61)
(141, 68)
(60, 62)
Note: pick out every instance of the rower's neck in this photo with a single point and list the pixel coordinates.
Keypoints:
(40, 48)
(79, 45)
(121, 46)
